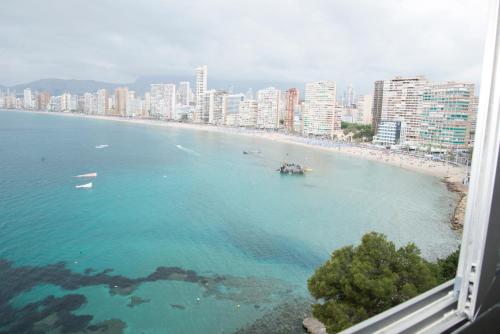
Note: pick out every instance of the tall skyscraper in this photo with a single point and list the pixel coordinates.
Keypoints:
(378, 93)
(248, 110)
(102, 102)
(363, 111)
(291, 102)
(43, 100)
(446, 116)
(320, 117)
(268, 100)
(121, 99)
(348, 98)
(163, 100)
(214, 106)
(401, 100)
(27, 99)
(65, 102)
(89, 104)
(201, 88)
(231, 109)
(184, 93)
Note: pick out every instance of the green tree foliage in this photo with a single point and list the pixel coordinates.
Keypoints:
(362, 132)
(359, 282)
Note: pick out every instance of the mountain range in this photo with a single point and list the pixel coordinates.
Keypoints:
(141, 85)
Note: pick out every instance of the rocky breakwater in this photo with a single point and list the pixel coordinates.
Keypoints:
(458, 216)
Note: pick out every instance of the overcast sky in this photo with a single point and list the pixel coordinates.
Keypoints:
(356, 41)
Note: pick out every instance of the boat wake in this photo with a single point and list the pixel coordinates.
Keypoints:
(182, 148)
(87, 175)
(101, 146)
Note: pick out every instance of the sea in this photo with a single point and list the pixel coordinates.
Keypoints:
(181, 232)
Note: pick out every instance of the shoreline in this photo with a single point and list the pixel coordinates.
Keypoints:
(451, 176)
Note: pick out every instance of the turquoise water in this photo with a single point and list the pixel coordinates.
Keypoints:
(181, 232)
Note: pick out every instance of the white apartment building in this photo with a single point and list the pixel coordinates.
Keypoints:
(214, 105)
(102, 102)
(320, 117)
(401, 101)
(184, 93)
(364, 104)
(163, 100)
(248, 110)
(89, 104)
(231, 109)
(268, 100)
(65, 103)
(27, 99)
(201, 88)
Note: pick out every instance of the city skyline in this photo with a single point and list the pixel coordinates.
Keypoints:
(443, 40)
(411, 111)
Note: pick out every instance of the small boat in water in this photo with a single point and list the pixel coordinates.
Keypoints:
(87, 175)
(85, 186)
(102, 146)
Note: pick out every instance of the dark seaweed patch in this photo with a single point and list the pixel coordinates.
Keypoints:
(178, 306)
(56, 313)
(134, 301)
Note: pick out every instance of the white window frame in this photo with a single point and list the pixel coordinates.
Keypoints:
(475, 288)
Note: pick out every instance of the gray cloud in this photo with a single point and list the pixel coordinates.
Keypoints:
(282, 40)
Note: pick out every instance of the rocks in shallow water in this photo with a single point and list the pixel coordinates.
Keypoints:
(134, 301)
(283, 319)
(314, 326)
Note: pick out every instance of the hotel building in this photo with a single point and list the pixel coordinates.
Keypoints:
(446, 116)
(320, 117)
(268, 100)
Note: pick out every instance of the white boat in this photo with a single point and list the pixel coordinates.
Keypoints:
(86, 185)
(102, 146)
(87, 175)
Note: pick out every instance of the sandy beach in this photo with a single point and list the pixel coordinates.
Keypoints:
(452, 174)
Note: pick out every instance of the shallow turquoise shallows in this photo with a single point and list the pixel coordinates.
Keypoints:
(181, 232)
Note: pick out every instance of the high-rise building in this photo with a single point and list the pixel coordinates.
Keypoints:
(291, 102)
(147, 105)
(27, 99)
(102, 102)
(248, 110)
(43, 100)
(320, 116)
(348, 97)
(215, 106)
(401, 101)
(163, 99)
(201, 88)
(378, 94)
(268, 100)
(232, 109)
(121, 99)
(184, 93)
(363, 111)
(65, 102)
(473, 121)
(298, 118)
(89, 104)
(446, 115)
